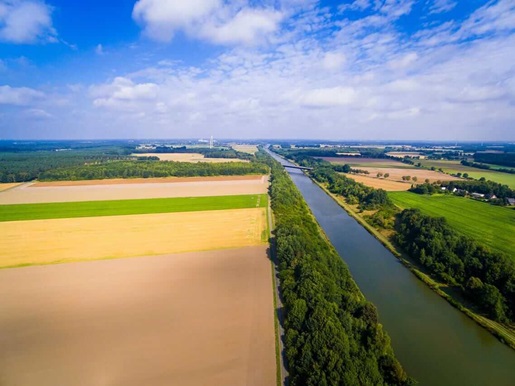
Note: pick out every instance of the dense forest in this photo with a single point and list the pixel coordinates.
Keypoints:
(332, 334)
(147, 169)
(503, 159)
(485, 277)
(16, 166)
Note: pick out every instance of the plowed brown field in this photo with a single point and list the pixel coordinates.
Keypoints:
(69, 191)
(191, 319)
(380, 183)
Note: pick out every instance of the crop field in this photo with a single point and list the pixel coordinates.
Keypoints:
(492, 225)
(128, 207)
(396, 174)
(92, 238)
(356, 162)
(402, 154)
(203, 318)
(251, 149)
(380, 183)
(187, 157)
(456, 167)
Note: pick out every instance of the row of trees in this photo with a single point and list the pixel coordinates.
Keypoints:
(148, 169)
(487, 278)
(332, 333)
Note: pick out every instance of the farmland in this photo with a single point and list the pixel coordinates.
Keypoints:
(380, 183)
(187, 319)
(456, 167)
(187, 157)
(366, 162)
(492, 225)
(138, 188)
(7, 186)
(127, 207)
(250, 149)
(93, 238)
(170, 282)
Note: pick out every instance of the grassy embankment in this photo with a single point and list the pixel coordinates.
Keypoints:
(453, 167)
(493, 225)
(20, 212)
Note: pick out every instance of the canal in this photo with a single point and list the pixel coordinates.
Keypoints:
(436, 344)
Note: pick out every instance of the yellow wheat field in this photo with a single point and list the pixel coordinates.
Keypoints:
(187, 157)
(65, 240)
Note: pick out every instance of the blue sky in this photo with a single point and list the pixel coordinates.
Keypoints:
(364, 69)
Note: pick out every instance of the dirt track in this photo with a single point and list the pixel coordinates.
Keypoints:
(66, 191)
(190, 319)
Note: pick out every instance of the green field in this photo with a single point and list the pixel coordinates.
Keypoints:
(491, 225)
(126, 207)
(453, 167)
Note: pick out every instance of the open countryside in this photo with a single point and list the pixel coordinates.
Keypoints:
(202, 318)
(493, 225)
(187, 157)
(453, 167)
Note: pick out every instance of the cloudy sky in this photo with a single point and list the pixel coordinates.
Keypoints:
(364, 69)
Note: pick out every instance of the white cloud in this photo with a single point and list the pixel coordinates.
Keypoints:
(123, 93)
(440, 6)
(19, 95)
(232, 22)
(38, 114)
(329, 97)
(24, 22)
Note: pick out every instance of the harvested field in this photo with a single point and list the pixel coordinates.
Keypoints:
(187, 157)
(251, 149)
(100, 190)
(154, 180)
(363, 162)
(380, 183)
(421, 174)
(8, 185)
(91, 238)
(191, 319)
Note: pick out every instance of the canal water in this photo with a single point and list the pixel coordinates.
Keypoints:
(436, 344)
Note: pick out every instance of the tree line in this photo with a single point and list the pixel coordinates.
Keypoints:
(332, 334)
(149, 169)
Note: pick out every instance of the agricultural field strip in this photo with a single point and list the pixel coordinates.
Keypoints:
(54, 192)
(92, 238)
(57, 210)
(492, 225)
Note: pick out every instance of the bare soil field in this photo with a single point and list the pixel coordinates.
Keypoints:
(402, 154)
(381, 183)
(421, 174)
(372, 162)
(5, 186)
(190, 319)
(69, 191)
(92, 238)
(187, 157)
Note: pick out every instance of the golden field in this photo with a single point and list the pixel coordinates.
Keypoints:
(91, 238)
(380, 183)
(5, 186)
(251, 149)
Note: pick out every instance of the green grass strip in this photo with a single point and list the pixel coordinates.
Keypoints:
(55, 210)
(491, 225)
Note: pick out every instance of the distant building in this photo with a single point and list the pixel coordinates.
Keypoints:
(511, 201)
(477, 195)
